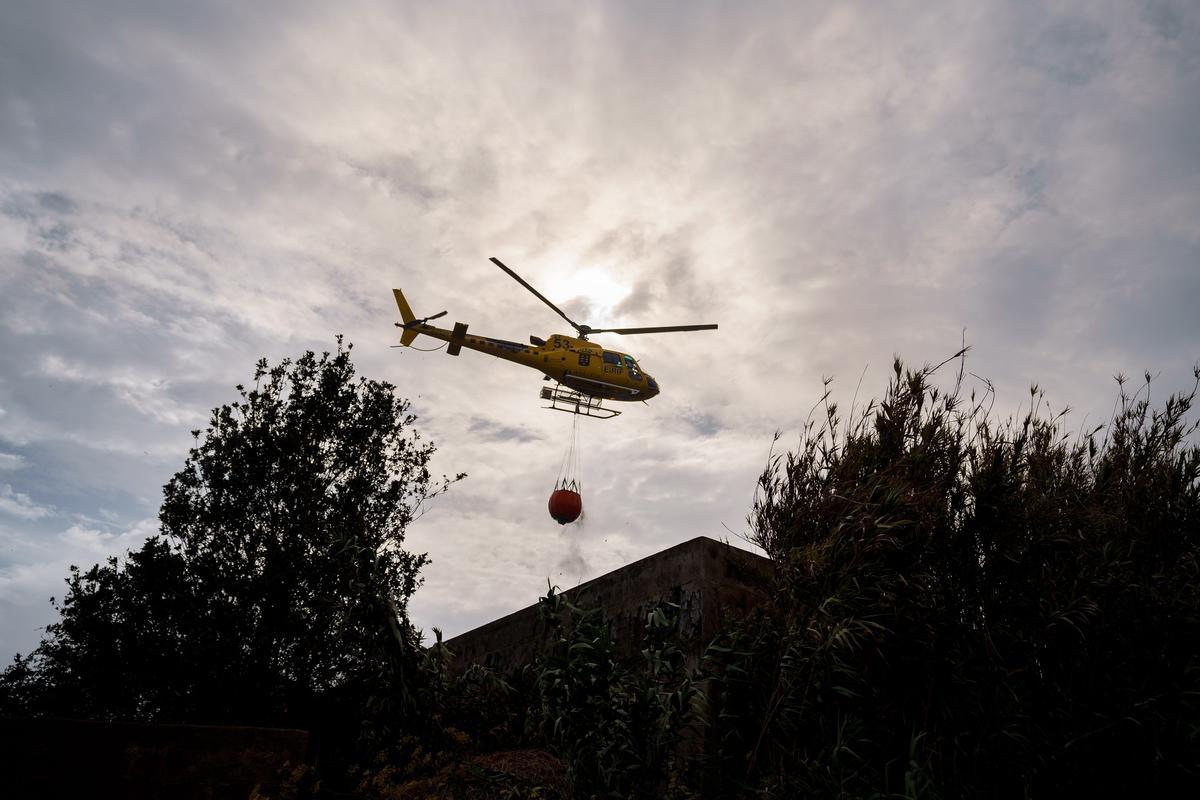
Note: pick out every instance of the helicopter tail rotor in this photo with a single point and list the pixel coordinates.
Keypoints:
(411, 323)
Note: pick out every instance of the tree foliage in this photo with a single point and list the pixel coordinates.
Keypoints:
(972, 608)
(277, 590)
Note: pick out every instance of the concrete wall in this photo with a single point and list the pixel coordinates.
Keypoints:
(707, 579)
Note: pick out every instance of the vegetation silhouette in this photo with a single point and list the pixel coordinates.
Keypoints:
(963, 607)
(968, 607)
(276, 593)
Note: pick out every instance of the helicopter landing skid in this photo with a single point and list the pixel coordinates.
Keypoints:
(571, 401)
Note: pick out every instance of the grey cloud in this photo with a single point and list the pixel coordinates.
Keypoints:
(702, 424)
(1169, 20)
(31, 205)
(1071, 50)
(21, 505)
(57, 202)
(581, 309)
(56, 237)
(640, 300)
(673, 285)
(1150, 300)
(400, 175)
(11, 461)
(498, 432)
(629, 241)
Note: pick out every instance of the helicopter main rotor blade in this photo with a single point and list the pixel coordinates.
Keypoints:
(536, 293)
(663, 329)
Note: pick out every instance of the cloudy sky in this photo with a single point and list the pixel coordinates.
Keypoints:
(186, 187)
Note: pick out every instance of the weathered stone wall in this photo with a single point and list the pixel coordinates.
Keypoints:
(709, 581)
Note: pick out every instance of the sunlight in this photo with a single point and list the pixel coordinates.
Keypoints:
(595, 284)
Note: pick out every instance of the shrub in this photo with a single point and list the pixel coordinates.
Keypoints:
(967, 607)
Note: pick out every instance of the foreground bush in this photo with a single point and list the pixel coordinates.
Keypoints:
(964, 607)
(972, 608)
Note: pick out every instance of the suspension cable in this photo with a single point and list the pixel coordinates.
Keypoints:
(568, 471)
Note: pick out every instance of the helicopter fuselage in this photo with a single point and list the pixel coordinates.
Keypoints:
(577, 363)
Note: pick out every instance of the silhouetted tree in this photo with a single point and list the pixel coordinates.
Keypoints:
(277, 590)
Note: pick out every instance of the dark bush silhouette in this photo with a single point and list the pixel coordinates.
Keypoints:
(276, 593)
(968, 608)
(963, 607)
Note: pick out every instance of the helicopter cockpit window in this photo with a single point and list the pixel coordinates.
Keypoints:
(612, 358)
(634, 372)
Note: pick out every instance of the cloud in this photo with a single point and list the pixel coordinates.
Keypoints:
(497, 432)
(93, 544)
(702, 424)
(34, 565)
(21, 505)
(10, 461)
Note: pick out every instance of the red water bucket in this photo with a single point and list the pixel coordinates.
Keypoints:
(565, 506)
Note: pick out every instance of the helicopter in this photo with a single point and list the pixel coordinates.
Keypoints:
(586, 373)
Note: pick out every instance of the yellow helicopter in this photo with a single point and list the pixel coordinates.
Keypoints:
(586, 373)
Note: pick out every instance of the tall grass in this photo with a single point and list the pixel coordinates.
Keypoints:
(972, 606)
